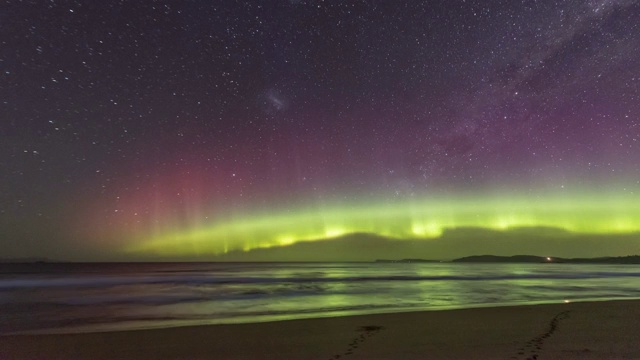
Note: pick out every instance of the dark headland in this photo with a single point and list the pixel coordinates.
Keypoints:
(519, 259)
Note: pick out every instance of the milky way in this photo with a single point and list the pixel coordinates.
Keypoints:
(175, 127)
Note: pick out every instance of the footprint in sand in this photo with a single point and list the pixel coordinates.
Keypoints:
(365, 333)
(532, 347)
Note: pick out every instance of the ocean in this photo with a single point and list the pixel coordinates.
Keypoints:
(84, 297)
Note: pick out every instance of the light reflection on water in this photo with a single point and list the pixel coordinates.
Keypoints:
(119, 296)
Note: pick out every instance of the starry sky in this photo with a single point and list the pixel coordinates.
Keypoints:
(199, 129)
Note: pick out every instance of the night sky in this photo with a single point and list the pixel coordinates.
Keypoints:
(221, 129)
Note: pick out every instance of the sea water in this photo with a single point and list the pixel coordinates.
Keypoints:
(74, 297)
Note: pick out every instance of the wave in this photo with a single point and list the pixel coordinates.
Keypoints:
(106, 281)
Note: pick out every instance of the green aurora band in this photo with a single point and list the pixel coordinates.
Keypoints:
(425, 218)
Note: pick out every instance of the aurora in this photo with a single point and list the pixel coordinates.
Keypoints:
(218, 129)
(414, 218)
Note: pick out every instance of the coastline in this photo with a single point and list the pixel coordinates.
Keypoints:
(581, 330)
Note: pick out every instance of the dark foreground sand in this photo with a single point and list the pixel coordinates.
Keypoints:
(595, 330)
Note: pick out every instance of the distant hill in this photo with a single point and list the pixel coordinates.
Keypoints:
(351, 247)
(503, 259)
(452, 244)
(634, 259)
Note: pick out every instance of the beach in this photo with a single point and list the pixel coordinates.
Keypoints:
(585, 330)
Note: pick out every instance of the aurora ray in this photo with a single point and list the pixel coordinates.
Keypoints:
(424, 218)
(209, 127)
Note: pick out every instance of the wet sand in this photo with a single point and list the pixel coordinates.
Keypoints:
(591, 330)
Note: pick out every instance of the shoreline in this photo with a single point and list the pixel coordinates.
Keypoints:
(170, 324)
(580, 330)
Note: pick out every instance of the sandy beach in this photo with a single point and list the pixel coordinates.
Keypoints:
(590, 330)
